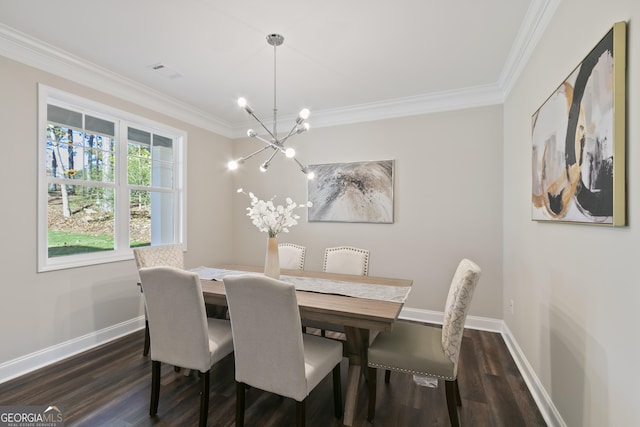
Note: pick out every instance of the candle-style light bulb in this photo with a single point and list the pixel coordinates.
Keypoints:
(303, 115)
(242, 102)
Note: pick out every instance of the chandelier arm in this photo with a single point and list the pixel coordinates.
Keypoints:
(262, 124)
(291, 132)
(269, 143)
(272, 155)
(254, 153)
(303, 168)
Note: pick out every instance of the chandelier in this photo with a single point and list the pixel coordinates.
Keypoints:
(273, 142)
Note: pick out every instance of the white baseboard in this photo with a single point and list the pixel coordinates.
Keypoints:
(543, 400)
(549, 411)
(31, 362)
(436, 317)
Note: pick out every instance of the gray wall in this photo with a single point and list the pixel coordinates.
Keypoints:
(41, 310)
(448, 201)
(574, 288)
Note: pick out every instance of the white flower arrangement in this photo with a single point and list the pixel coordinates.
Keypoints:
(271, 218)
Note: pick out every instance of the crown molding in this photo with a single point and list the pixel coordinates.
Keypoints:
(458, 99)
(39, 54)
(534, 23)
(533, 26)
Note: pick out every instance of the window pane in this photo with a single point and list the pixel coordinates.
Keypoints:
(64, 151)
(138, 150)
(138, 162)
(64, 117)
(152, 218)
(99, 158)
(74, 155)
(139, 172)
(162, 148)
(80, 219)
(150, 159)
(162, 174)
(139, 136)
(96, 125)
(140, 219)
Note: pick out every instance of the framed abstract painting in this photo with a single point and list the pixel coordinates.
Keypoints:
(578, 138)
(352, 192)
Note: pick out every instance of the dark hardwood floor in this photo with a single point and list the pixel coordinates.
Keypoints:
(110, 386)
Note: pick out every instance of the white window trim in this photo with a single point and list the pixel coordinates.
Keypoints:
(122, 251)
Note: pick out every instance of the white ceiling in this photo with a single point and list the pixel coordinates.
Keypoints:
(346, 60)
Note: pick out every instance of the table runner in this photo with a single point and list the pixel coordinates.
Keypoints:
(397, 294)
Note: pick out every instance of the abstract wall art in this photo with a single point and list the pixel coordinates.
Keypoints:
(578, 135)
(352, 192)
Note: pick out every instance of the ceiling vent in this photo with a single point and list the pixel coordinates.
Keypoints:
(165, 71)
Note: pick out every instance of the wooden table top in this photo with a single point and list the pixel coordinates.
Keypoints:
(348, 311)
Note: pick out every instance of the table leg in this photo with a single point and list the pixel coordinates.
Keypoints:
(357, 345)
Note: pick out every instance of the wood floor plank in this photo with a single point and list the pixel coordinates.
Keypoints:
(111, 385)
(469, 370)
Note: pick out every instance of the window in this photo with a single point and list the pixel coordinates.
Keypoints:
(108, 181)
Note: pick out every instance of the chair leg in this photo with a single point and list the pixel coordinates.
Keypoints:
(240, 391)
(147, 339)
(458, 399)
(155, 387)
(300, 413)
(204, 398)
(337, 392)
(373, 373)
(387, 376)
(451, 403)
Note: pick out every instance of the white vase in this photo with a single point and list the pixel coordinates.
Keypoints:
(272, 260)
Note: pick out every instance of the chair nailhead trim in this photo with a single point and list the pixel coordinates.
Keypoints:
(409, 371)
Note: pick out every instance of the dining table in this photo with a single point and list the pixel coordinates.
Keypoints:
(361, 304)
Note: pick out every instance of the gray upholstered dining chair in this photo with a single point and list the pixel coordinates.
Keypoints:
(181, 333)
(154, 256)
(271, 352)
(428, 350)
(346, 260)
(291, 256)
